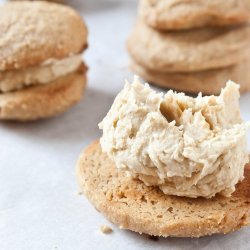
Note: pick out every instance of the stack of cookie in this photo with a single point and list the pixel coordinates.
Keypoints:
(192, 46)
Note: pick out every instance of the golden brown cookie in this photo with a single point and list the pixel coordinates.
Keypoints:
(41, 68)
(42, 101)
(208, 82)
(184, 51)
(185, 14)
(33, 32)
(131, 205)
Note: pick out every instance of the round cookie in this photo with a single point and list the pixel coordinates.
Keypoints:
(179, 14)
(42, 101)
(184, 51)
(208, 82)
(41, 68)
(132, 205)
(33, 32)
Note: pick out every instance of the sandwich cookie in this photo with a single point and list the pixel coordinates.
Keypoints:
(184, 51)
(179, 14)
(41, 69)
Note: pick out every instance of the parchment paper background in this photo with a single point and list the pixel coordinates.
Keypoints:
(39, 203)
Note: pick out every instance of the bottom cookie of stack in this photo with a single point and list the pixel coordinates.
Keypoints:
(207, 82)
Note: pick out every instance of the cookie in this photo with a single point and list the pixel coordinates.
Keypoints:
(41, 68)
(184, 51)
(208, 82)
(43, 101)
(33, 32)
(179, 14)
(132, 205)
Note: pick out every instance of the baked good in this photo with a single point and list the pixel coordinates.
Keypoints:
(46, 100)
(170, 164)
(207, 82)
(40, 50)
(35, 32)
(185, 14)
(130, 204)
(185, 51)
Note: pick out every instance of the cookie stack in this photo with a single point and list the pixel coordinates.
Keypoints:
(192, 46)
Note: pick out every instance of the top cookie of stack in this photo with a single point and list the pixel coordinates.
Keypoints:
(192, 46)
(185, 14)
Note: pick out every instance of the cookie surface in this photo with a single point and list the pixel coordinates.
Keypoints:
(208, 82)
(131, 205)
(51, 31)
(184, 14)
(185, 51)
(43, 101)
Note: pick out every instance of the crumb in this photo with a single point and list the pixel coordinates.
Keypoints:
(79, 193)
(153, 238)
(106, 229)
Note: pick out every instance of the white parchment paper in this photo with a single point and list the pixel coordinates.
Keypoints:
(40, 207)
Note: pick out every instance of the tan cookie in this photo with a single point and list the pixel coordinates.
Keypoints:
(193, 50)
(43, 101)
(208, 82)
(131, 205)
(185, 14)
(41, 69)
(33, 32)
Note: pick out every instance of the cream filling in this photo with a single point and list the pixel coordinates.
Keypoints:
(45, 73)
(187, 146)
